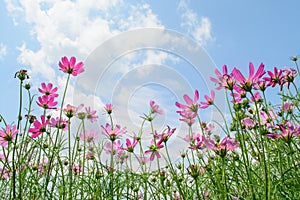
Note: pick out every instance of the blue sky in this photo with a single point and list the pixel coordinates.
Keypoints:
(36, 34)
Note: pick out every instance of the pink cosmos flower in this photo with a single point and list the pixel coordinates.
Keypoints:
(287, 107)
(165, 135)
(207, 128)
(288, 76)
(274, 78)
(209, 100)
(224, 80)
(256, 97)
(227, 144)
(155, 108)
(113, 133)
(288, 130)
(8, 135)
(130, 145)
(248, 122)
(192, 105)
(89, 136)
(39, 127)
(247, 83)
(48, 90)
(76, 169)
(187, 116)
(117, 148)
(59, 123)
(46, 102)
(91, 114)
(261, 85)
(70, 111)
(196, 142)
(154, 149)
(70, 67)
(108, 108)
(268, 118)
(238, 97)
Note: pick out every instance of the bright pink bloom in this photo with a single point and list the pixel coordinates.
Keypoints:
(274, 78)
(289, 75)
(238, 97)
(155, 108)
(227, 144)
(288, 130)
(39, 127)
(196, 142)
(247, 83)
(46, 102)
(256, 97)
(8, 135)
(192, 105)
(154, 149)
(113, 133)
(70, 67)
(59, 123)
(91, 114)
(224, 80)
(89, 136)
(70, 111)
(130, 145)
(165, 135)
(209, 100)
(48, 90)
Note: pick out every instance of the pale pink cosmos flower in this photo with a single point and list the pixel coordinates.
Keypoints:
(196, 142)
(187, 116)
(70, 67)
(130, 145)
(91, 114)
(39, 127)
(288, 131)
(221, 148)
(256, 97)
(108, 108)
(238, 97)
(48, 90)
(207, 128)
(70, 110)
(154, 149)
(247, 83)
(112, 133)
(248, 122)
(117, 147)
(59, 123)
(2, 157)
(89, 136)
(287, 107)
(209, 100)
(46, 102)
(192, 105)
(8, 135)
(155, 108)
(166, 134)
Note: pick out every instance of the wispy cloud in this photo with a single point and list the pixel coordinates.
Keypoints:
(199, 27)
(3, 51)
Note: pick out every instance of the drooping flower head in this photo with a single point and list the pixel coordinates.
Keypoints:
(70, 66)
(22, 75)
(224, 80)
(247, 83)
(48, 90)
(39, 127)
(209, 100)
(8, 135)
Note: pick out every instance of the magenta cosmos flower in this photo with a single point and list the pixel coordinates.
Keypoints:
(130, 145)
(46, 102)
(154, 149)
(209, 100)
(224, 80)
(59, 123)
(70, 66)
(192, 105)
(39, 127)
(227, 144)
(155, 108)
(113, 133)
(247, 83)
(166, 134)
(8, 135)
(288, 131)
(48, 90)
(274, 78)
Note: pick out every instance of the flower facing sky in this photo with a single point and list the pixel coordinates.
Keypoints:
(112, 133)
(192, 105)
(48, 90)
(154, 149)
(70, 66)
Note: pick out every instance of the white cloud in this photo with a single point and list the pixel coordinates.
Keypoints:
(3, 51)
(199, 29)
